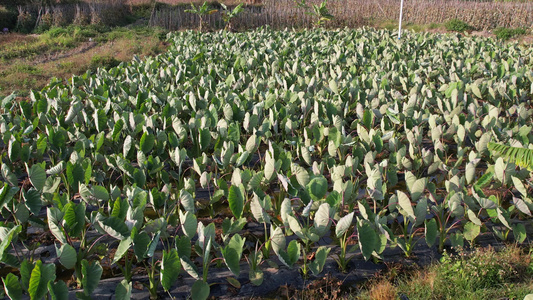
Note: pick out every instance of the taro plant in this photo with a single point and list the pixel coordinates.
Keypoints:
(201, 11)
(341, 231)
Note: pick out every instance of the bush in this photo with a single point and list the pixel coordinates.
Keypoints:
(105, 61)
(457, 25)
(8, 18)
(507, 33)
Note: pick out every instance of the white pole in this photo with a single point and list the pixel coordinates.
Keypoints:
(400, 26)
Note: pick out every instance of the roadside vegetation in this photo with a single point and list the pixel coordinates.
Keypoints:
(483, 273)
(30, 61)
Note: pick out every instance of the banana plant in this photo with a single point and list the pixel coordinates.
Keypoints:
(201, 11)
(228, 15)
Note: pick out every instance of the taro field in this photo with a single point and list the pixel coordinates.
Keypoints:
(325, 144)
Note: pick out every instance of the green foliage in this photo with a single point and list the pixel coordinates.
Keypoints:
(8, 17)
(523, 157)
(105, 61)
(201, 11)
(508, 33)
(228, 15)
(457, 25)
(319, 11)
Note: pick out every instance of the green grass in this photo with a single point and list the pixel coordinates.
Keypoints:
(483, 274)
(457, 25)
(24, 62)
(508, 33)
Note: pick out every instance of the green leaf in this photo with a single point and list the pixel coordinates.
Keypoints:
(317, 265)
(190, 267)
(8, 239)
(278, 239)
(256, 277)
(37, 176)
(522, 206)
(317, 187)
(200, 290)
(344, 224)
(292, 255)
(122, 249)
(141, 241)
(58, 290)
(322, 219)
(189, 223)
(519, 232)
(123, 290)
(471, 231)
(418, 188)
(147, 142)
(405, 204)
(91, 273)
(170, 268)
(236, 201)
(368, 239)
(431, 232)
(301, 174)
(187, 201)
(484, 180)
(457, 240)
(258, 211)
(32, 200)
(115, 227)
(421, 211)
(40, 276)
(74, 217)
(67, 256)
(12, 286)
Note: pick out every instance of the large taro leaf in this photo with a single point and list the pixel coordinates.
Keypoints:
(232, 253)
(7, 240)
(236, 201)
(170, 268)
(114, 227)
(259, 213)
(317, 265)
(91, 273)
(431, 232)
(291, 256)
(471, 231)
(12, 286)
(200, 290)
(405, 204)
(67, 256)
(58, 290)
(344, 224)
(368, 239)
(123, 290)
(322, 219)
(278, 239)
(317, 187)
(39, 278)
(188, 223)
(37, 176)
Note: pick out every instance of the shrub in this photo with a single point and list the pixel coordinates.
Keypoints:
(8, 18)
(457, 25)
(105, 61)
(507, 33)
